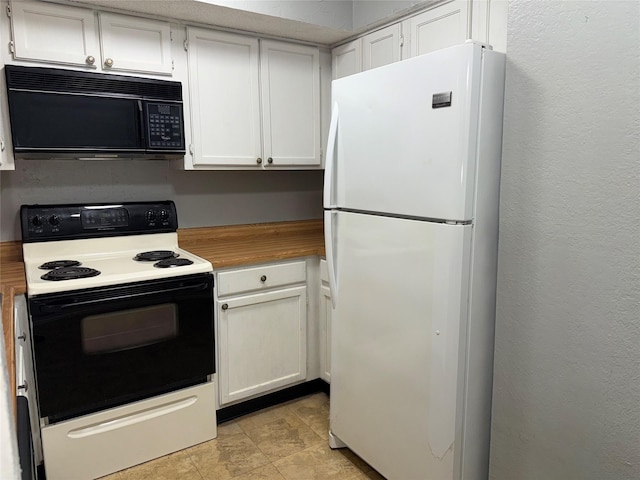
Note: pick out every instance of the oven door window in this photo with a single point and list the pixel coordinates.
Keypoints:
(138, 327)
(109, 346)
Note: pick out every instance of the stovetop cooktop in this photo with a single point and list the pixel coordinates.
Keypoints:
(77, 247)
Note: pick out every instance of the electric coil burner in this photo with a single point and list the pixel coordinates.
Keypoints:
(70, 273)
(59, 264)
(125, 339)
(172, 263)
(155, 255)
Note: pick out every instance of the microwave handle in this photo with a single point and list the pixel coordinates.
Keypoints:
(58, 307)
(142, 124)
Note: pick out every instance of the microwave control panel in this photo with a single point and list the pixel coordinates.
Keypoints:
(164, 126)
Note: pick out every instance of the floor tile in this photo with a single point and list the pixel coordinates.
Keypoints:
(268, 472)
(317, 463)
(170, 467)
(228, 456)
(265, 416)
(113, 476)
(283, 437)
(314, 412)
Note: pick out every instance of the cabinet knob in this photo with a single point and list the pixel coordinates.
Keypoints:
(258, 160)
(91, 60)
(1, 145)
(269, 160)
(108, 63)
(263, 278)
(22, 337)
(24, 386)
(224, 306)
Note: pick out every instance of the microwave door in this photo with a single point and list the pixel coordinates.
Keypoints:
(72, 123)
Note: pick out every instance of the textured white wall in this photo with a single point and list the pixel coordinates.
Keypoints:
(335, 14)
(567, 357)
(203, 198)
(367, 12)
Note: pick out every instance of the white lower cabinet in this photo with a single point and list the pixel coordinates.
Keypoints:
(261, 329)
(325, 324)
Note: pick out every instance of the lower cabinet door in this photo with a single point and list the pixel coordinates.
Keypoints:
(325, 333)
(262, 342)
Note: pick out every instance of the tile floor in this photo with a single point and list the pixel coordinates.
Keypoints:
(285, 442)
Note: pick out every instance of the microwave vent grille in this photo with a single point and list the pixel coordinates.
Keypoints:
(69, 81)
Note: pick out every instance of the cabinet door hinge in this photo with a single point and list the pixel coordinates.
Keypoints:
(12, 47)
(173, 65)
(8, 10)
(185, 44)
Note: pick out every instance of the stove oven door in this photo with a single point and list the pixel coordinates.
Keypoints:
(103, 347)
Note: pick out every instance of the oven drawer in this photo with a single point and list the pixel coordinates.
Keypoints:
(105, 442)
(261, 278)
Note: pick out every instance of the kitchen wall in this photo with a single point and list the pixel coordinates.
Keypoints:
(203, 198)
(334, 14)
(567, 356)
(367, 12)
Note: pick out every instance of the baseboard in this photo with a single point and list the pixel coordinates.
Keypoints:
(234, 411)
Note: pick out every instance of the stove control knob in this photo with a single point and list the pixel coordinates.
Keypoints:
(151, 216)
(54, 220)
(36, 221)
(164, 215)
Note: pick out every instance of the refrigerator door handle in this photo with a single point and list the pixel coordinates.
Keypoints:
(329, 216)
(329, 174)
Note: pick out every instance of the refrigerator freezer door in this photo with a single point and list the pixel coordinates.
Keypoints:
(397, 328)
(397, 151)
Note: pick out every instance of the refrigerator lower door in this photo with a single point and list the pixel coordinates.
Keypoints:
(398, 342)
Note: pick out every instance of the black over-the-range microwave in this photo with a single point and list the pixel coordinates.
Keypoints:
(65, 113)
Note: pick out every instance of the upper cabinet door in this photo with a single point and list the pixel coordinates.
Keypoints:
(440, 27)
(134, 44)
(290, 83)
(225, 102)
(52, 33)
(347, 59)
(382, 47)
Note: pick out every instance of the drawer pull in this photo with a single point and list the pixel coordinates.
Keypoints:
(225, 306)
(263, 278)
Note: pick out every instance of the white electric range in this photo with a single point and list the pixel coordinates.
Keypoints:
(124, 348)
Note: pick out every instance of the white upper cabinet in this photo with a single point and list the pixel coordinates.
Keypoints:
(135, 44)
(255, 103)
(347, 59)
(489, 23)
(58, 34)
(439, 27)
(373, 50)
(45, 32)
(290, 81)
(225, 102)
(382, 47)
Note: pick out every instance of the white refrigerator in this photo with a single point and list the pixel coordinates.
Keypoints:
(411, 222)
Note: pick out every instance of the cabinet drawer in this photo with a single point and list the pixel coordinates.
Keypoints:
(260, 278)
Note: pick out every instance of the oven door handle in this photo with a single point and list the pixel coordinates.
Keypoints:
(51, 308)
